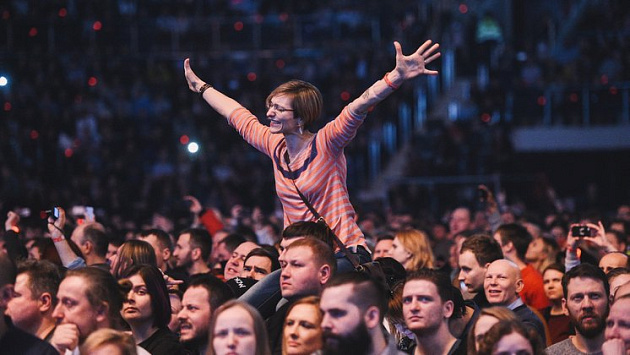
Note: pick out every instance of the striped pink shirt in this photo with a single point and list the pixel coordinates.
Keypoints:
(320, 171)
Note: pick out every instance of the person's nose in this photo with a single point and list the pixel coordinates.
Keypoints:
(231, 340)
(251, 274)
(587, 303)
(182, 315)
(57, 313)
(131, 297)
(326, 324)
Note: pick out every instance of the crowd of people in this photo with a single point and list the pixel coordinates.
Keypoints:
(163, 252)
(485, 283)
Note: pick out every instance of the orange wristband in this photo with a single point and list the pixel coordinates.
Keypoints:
(389, 83)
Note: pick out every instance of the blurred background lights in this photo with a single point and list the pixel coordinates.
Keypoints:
(3, 81)
(193, 147)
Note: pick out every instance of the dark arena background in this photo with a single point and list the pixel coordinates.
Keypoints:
(532, 100)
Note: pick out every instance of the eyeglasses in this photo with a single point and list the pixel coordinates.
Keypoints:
(277, 108)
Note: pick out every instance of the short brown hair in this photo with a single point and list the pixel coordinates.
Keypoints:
(484, 248)
(306, 103)
(321, 251)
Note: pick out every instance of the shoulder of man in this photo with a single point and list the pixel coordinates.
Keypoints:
(564, 347)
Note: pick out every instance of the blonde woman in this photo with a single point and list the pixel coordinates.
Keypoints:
(412, 249)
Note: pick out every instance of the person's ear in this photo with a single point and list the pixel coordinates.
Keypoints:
(87, 247)
(195, 254)
(372, 317)
(166, 254)
(102, 312)
(448, 308)
(325, 273)
(45, 302)
(519, 285)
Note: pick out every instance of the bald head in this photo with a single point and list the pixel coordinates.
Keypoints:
(612, 261)
(502, 282)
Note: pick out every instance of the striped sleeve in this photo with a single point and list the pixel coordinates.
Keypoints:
(254, 132)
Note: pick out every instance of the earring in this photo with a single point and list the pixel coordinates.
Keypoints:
(300, 130)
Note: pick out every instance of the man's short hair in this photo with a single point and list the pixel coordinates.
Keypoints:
(443, 284)
(309, 229)
(266, 253)
(366, 291)
(162, 237)
(321, 251)
(95, 233)
(484, 247)
(43, 276)
(518, 235)
(102, 287)
(199, 238)
(218, 291)
(585, 270)
(555, 266)
(232, 241)
(384, 237)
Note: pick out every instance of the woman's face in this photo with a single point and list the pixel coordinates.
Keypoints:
(513, 344)
(535, 250)
(302, 331)
(234, 332)
(484, 323)
(137, 307)
(399, 252)
(281, 115)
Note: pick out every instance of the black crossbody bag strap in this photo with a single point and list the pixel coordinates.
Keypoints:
(353, 258)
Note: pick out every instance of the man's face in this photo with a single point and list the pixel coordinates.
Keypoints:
(460, 221)
(183, 251)
(470, 272)
(502, 283)
(256, 267)
(587, 305)
(220, 253)
(73, 306)
(383, 249)
(552, 284)
(23, 308)
(618, 322)
(160, 256)
(612, 261)
(234, 265)
(194, 318)
(497, 237)
(422, 307)
(300, 274)
(343, 325)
